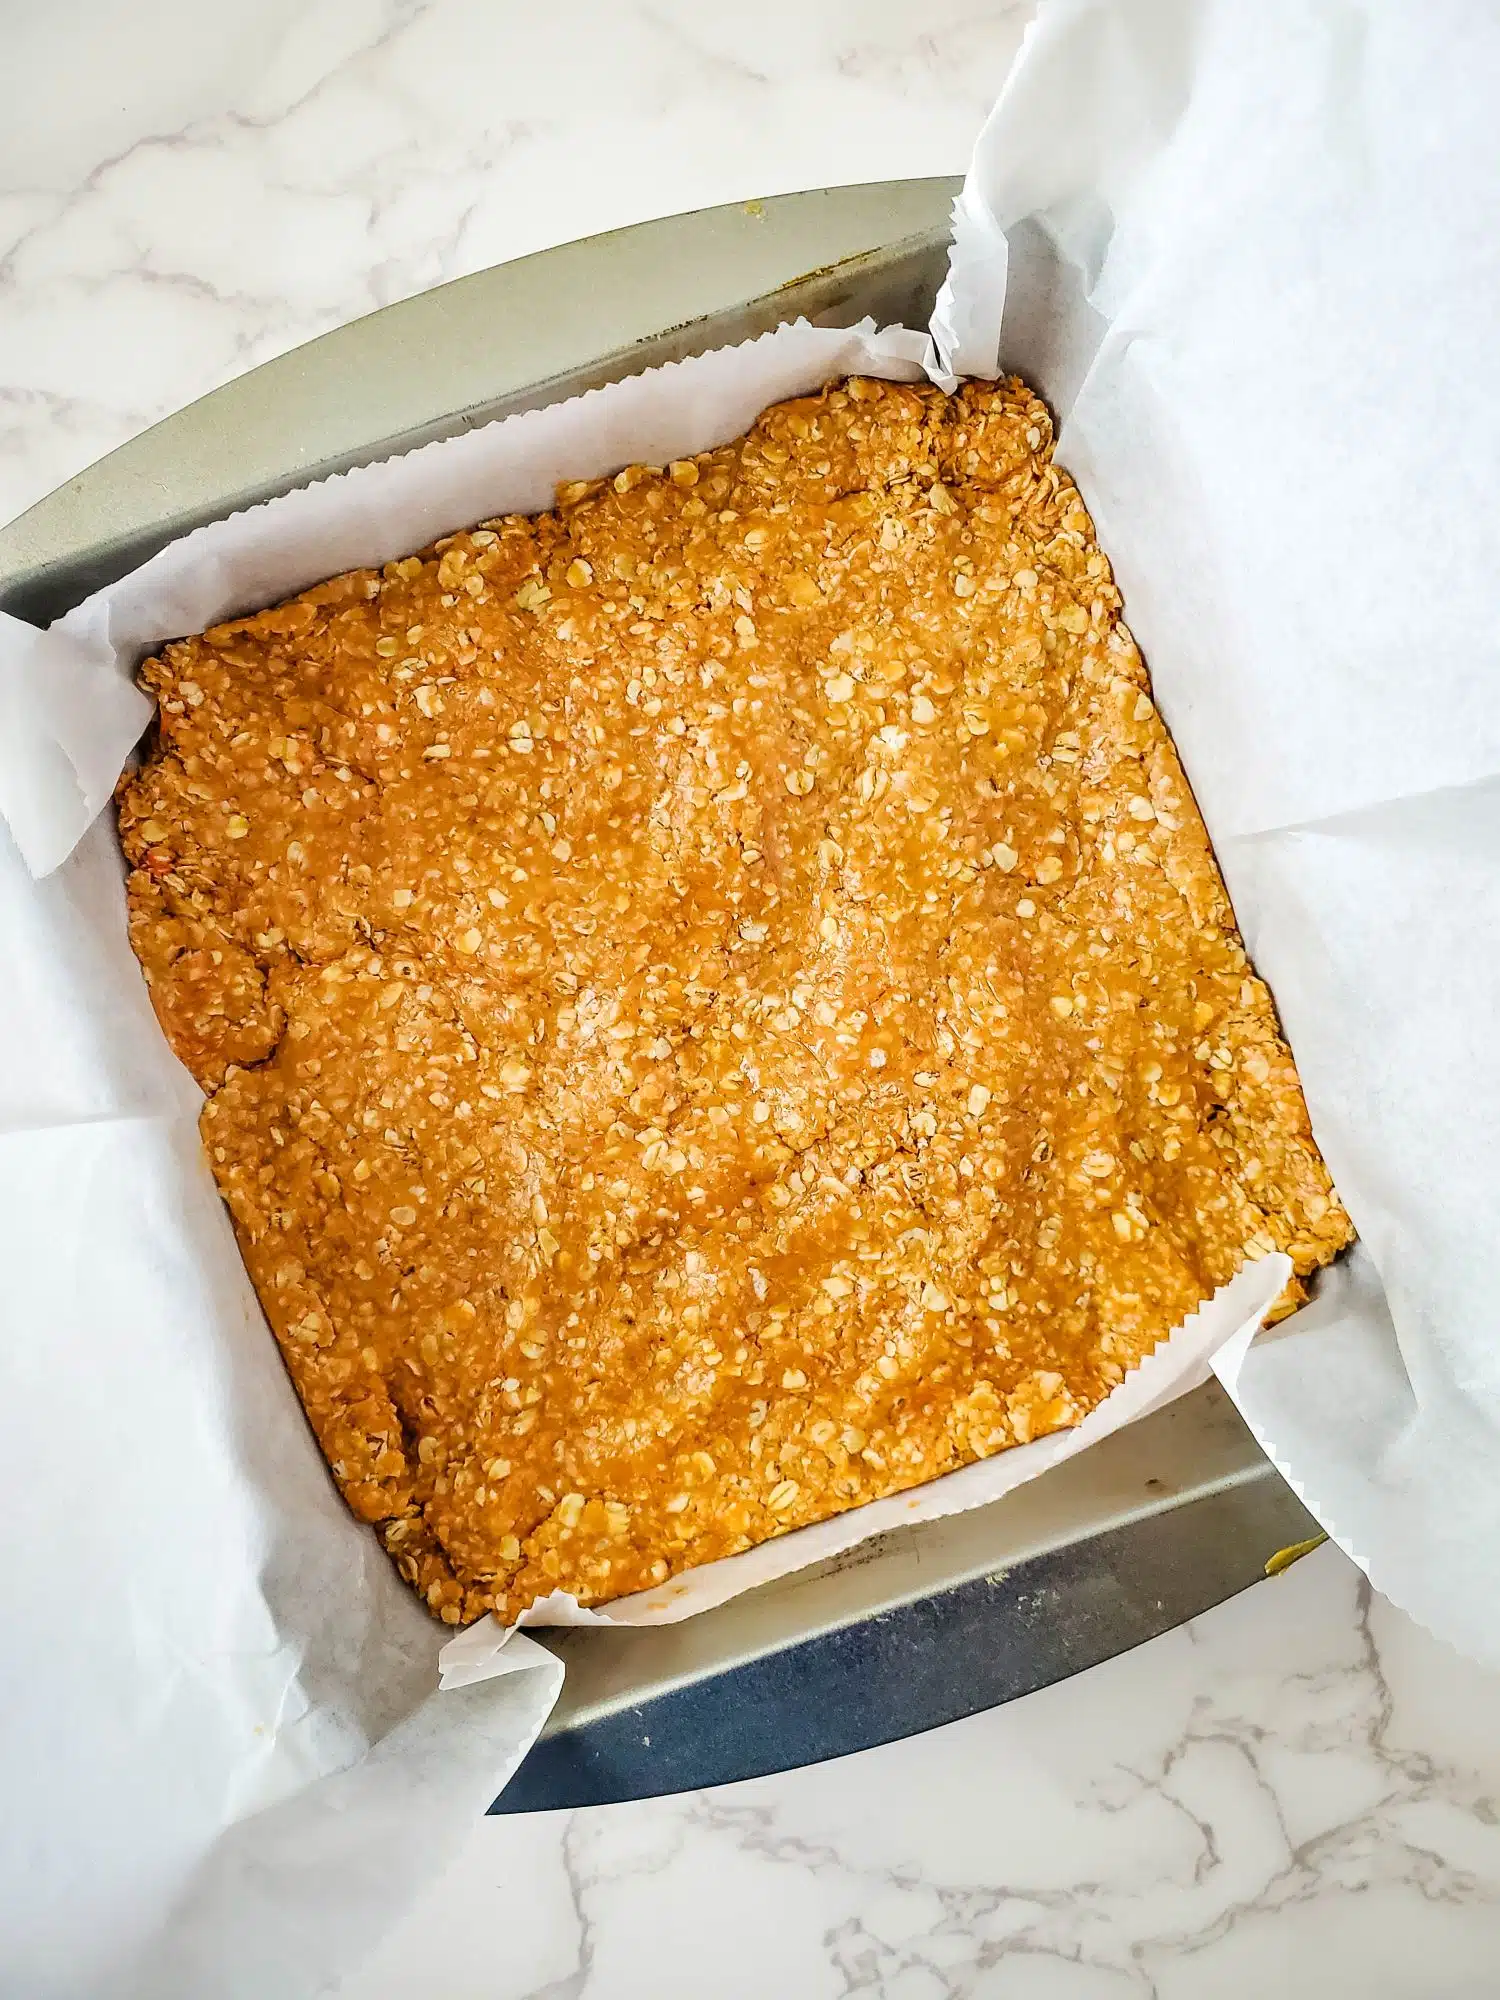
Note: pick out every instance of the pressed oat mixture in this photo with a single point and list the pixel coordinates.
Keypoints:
(716, 1003)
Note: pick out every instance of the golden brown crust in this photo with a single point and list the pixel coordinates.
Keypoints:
(717, 1002)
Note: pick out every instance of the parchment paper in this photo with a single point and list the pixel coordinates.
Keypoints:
(1227, 1320)
(228, 1764)
(1254, 265)
(1249, 262)
(243, 1704)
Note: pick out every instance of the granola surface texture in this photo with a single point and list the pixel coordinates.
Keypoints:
(715, 1003)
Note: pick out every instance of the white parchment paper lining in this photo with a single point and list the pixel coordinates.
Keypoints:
(231, 1598)
(1190, 215)
(1253, 266)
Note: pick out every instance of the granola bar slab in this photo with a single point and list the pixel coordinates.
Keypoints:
(716, 1003)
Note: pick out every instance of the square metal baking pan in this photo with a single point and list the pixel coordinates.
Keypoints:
(931, 1622)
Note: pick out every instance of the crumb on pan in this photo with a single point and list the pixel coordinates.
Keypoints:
(716, 1002)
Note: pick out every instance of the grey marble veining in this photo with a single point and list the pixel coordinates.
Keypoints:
(250, 189)
(1298, 1795)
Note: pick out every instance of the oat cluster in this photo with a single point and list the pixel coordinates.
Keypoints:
(716, 1003)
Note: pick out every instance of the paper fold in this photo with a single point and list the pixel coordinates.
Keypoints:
(1253, 267)
(240, 1721)
(67, 720)
(1178, 1364)
(1248, 254)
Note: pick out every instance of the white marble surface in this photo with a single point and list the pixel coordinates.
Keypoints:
(1298, 1795)
(188, 190)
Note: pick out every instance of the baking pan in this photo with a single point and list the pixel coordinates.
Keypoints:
(931, 1622)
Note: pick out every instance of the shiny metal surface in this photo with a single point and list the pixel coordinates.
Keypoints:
(830, 1669)
(512, 338)
(1153, 1526)
(931, 1622)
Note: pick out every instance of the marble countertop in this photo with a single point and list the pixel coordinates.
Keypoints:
(1298, 1794)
